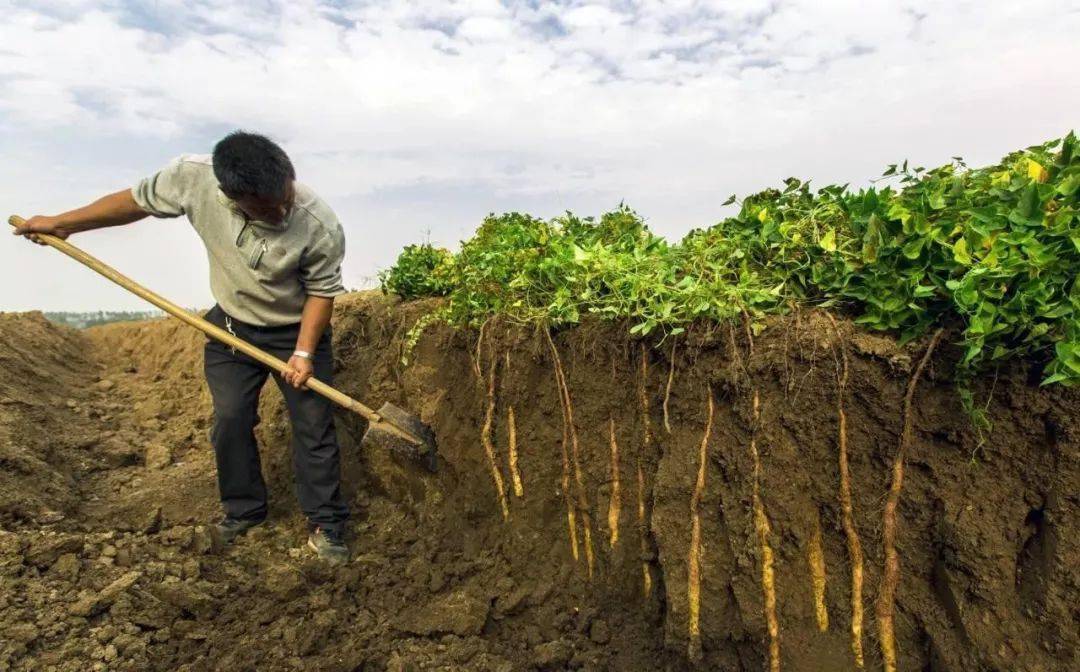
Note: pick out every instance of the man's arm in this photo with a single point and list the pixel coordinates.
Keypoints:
(112, 210)
(313, 321)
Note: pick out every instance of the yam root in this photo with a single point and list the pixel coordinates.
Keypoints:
(816, 560)
(890, 575)
(855, 554)
(571, 516)
(763, 530)
(615, 503)
(579, 480)
(511, 431)
(667, 389)
(515, 474)
(693, 589)
(646, 443)
(489, 446)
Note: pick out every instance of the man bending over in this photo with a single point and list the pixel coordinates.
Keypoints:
(275, 251)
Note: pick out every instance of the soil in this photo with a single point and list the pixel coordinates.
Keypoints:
(108, 486)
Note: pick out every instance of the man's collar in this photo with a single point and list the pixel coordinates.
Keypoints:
(231, 205)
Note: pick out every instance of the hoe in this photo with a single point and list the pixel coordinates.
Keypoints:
(398, 430)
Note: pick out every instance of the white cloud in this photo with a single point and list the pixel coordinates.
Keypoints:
(669, 105)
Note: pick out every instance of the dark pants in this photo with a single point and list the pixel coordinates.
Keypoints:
(235, 381)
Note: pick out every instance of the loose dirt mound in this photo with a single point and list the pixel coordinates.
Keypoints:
(663, 569)
(44, 420)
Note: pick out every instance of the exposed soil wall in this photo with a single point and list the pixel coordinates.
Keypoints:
(986, 533)
(988, 572)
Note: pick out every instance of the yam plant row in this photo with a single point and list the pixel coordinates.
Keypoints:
(991, 254)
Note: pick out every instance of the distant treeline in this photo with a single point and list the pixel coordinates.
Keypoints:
(90, 319)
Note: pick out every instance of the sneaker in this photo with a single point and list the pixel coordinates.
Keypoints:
(329, 546)
(230, 528)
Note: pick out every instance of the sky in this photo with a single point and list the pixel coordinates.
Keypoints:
(414, 120)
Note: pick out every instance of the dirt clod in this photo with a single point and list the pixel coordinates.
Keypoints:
(158, 457)
(90, 603)
(459, 613)
(185, 596)
(46, 550)
(599, 632)
(286, 583)
(550, 655)
(67, 566)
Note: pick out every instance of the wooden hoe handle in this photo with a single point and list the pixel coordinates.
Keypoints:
(214, 331)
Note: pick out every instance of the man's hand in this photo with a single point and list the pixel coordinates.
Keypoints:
(313, 321)
(41, 224)
(300, 369)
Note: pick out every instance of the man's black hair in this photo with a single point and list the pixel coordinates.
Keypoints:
(249, 164)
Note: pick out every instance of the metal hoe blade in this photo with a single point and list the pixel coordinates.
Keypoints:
(425, 454)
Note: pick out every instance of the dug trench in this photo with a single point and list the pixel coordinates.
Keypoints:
(602, 504)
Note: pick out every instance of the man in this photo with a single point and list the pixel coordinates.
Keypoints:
(275, 251)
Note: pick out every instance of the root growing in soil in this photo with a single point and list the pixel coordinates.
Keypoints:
(855, 553)
(489, 446)
(579, 481)
(571, 516)
(511, 430)
(646, 443)
(890, 575)
(816, 559)
(515, 474)
(761, 526)
(667, 389)
(479, 356)
(646, 575)
(693, 590)
(616, 490)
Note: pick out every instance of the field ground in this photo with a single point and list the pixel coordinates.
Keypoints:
(107, 486)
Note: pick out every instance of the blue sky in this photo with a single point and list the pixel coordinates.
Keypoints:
(416, 119)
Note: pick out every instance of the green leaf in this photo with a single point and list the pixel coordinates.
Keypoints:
(1056, 378)
(913, 248)
(1028, 206)
(936, 199)
(828, 241)
(960, 252)
(1069, 186)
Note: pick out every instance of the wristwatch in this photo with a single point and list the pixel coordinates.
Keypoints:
(303, 353)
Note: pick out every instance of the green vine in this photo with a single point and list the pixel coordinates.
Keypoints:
(991, 251)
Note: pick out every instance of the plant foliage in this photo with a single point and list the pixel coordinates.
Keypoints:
(994, 251)
(421, 270)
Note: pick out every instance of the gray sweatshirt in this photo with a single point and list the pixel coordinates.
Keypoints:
(260, 273)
